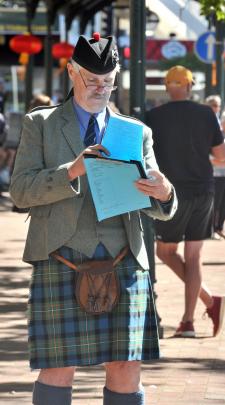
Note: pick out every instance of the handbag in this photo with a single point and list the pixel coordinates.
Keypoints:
(97, 287)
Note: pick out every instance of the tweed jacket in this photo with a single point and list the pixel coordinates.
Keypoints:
(50, 142)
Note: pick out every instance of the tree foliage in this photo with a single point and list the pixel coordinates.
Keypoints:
(216, 7)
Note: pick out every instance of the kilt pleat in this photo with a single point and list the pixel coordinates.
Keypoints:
(61, 334)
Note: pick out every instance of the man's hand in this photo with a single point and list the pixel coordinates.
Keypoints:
(157, 186)
(77, 168)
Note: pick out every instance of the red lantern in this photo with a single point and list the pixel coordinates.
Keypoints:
(126, 52)
(26, 45)
(62, 51)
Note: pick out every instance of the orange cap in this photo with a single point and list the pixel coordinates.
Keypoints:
(179, 76)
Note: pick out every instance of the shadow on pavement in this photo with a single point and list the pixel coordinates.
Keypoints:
(13, 294)
(190, 363)
(13, 278)
(13, 349)
(16, 386)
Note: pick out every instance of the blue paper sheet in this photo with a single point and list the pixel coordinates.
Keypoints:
(112, 187)
(123, 139)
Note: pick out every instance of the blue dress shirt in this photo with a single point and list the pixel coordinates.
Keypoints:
(83, 119)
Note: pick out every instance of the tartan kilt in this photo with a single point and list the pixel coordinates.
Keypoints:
(61, 334)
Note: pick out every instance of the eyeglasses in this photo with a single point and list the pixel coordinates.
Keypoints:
(106, 87)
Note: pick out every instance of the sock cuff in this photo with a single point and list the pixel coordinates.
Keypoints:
(116, 398)
(44, 394)
(55, 388)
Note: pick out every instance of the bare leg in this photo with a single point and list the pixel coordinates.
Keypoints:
(11, 153)
(59, 377)
(192, 277)
(123, 376)
(3, 155)
(167, 252)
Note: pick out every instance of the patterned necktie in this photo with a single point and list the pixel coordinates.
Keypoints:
(90, 136)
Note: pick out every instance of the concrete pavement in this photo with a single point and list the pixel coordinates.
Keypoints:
(191, 371)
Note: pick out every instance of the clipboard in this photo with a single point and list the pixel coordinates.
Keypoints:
(112, 186)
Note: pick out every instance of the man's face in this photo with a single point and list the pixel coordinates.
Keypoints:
(91, 91)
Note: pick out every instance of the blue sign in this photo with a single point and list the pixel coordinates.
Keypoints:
(205, 47)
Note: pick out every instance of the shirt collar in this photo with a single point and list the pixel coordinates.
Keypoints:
(84, 116)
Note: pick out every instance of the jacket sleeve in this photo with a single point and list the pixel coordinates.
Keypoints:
(158, 209)
(32, 183)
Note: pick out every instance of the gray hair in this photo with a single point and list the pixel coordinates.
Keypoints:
(75, 65)
(215, 98)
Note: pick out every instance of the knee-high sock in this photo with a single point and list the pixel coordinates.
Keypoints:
(114, 398)
(44, 394)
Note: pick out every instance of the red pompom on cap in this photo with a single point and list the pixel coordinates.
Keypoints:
(96, 36)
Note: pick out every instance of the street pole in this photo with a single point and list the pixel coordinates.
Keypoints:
(220, 36)
(137, 58)
(29, 73)
(137, 109)
(65, 83)
(29, 82)
(208, 80)
(208, 67)
(48, 58)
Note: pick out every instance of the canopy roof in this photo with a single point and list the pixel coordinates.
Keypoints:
(85, 9)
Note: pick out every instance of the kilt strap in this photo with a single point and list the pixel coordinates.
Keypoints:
(94, 266)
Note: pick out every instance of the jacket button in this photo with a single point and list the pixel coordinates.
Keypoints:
(49, 179)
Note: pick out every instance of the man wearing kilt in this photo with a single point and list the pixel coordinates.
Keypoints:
(50, 178)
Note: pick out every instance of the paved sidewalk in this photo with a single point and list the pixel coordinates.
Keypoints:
(191, 371)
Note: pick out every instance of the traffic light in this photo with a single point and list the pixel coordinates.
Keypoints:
(107, 21)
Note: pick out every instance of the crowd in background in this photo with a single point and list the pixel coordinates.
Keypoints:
(10, 128)
(214, 101)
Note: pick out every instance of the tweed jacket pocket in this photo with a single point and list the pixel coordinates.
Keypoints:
(40, 211)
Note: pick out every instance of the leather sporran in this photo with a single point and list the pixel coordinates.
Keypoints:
(97, 286)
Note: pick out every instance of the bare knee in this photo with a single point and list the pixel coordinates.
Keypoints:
(123, 376)
(161, 253)
(165, 251)
(59, 377)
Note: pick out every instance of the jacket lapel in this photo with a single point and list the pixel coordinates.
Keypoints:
(70, 129)
(71, 132)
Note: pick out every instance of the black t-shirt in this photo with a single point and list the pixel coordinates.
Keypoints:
(184, 133)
